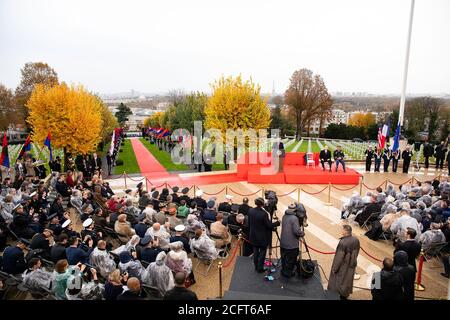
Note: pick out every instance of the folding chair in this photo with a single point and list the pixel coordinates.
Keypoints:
(434, 251)
(310, 159)
(152, 293)
(367, 223)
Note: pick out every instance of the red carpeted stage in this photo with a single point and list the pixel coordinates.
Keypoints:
(256, 167)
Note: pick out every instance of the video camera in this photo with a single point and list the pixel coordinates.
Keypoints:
(300, 212)
(271, 201)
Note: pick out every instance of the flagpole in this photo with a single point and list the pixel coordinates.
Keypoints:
(405, 70)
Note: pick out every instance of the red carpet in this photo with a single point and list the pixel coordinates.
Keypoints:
(295, 172)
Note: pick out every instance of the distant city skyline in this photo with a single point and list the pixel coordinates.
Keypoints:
(154, 47)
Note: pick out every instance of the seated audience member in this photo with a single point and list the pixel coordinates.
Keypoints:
(179, 292)
(92, 290)
(172, 217)
(159, 275)
(220, 232)
(102, 260)
(387, 284)
(149, 212)
(133, 290)
(193, 223)
(203, 247)
(226, 205)
(432, 236)
(411, 246)
(209, 214)
(177, 259)
(78, 253)
(150, 249)
(179, 230)
(183, 210)
(129, 265)
(244, 207)
(58, 250)
(141, 227)
(405, 221)
(63, 272)
(114, 285)
(407, 272)
(123, 228)
(370, 210)
(35, 277)
(159, 232)
(201, 203)
(13, 259)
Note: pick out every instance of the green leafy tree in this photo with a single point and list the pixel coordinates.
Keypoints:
(123, 111)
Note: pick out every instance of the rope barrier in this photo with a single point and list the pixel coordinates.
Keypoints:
(228, 263)
(162, 185)
(135, 180)
(316, 250)
(149, 181)
(286, 194)
(399, 184)
(244, 195)
(376, 259)
(344, 189)
(213, 194)
(314, 193)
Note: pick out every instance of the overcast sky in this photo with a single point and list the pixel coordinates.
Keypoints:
(155, 46)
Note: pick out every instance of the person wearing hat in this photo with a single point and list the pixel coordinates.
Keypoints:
(89, 230)
(179, 236)
(140, 189)
(101, 259)
(226, 205)
(129, 195)
(129, 264)
(201, 203)
(144, 200)
(155, 198)
(76, 254)
(161, 217)
(172, 216)
(58, 250)
(57, 207)
(185, 196)
(260, 235)
(141, 227)
(291, 232)
(150, 249)
(13, 259)
(68, 229)
(175, 197)
(22, 222)
(210, 213)
(43, 241)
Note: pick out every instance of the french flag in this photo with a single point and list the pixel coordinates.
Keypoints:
(383, 133)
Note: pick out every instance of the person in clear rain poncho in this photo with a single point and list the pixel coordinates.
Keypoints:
(35, 277)
(177, 259)
(159, 275)
(101, 259)
(203, 246)
(354, 204)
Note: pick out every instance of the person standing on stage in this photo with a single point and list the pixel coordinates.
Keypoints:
(406, 156)
(325, 156)
(369, 155)
(386, 158)
(427, 153)
(377, 155)
(260, 234)
(344, 264)
(395, 156)
(439, 154)
(339, 158)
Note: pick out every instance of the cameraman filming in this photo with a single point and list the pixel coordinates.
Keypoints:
(260, 235)
(291, 232)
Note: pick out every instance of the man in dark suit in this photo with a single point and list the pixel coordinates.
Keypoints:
(439, 154)
(325, 156)
(427, 153)
(411, 246)
(226, 205)
(133, 292)
(260, 235)
(244, 207)
(14, 258)
(369, 155)
(96, 163)
(339, 158)
(180, 292)
(406, 156)
(41, 241)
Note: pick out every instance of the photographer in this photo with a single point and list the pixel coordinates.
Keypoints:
(291, 232)
(260, 234)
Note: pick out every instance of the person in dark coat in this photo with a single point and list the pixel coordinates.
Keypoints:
(387, 284)
(411, 246)
(244, 207)
(386, 158)
(406, 156)
(109, 161)
(407, 272)
(428, 152)
(291, 232)
(369, 155)
(149, 249)
(226, 205)
(339, 156)
(377, 157)
(77, 254)
(133, 292)
(96, 163)
(325, 156)
(260, 235)
(42, 241)
(180, 292)
(439, 154)
(185, 196)
(372, 208)
(22, 222)
(344, 264)
(201, 203)
(58, 250)
(395, 156)
(13, 260)
(179, 231)
(175, 197)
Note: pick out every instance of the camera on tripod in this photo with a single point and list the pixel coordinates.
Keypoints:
(271, 201)
(299, 211)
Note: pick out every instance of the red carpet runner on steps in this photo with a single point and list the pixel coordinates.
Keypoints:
(295, 172)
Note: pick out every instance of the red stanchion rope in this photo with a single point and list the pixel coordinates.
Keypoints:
(135, 180)
(244, 195)
(162, 185)
(228, 263)
(149, 181)
(318, 251)
(399, 184)
(376, 259)
(367, 187)
(214, 194)
(286, 194)
(344, 189)
(314, 193)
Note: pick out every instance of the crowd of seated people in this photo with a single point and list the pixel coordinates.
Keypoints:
(416, 217)
(83, 241)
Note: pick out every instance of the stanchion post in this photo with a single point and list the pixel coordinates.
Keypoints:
(220, 279)
(329, 195)
(194, 190)
(418, 285)
(125, 177)
(226, 190)
(262, 190)
(298, 194)
(361, 186)
(385, 184)
(165, 185)
(240, 244)
(412, 180)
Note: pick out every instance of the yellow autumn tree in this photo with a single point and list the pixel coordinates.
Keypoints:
(155, 120)
(72, 115)
(362, 119)
(236, 104)
(109, 121)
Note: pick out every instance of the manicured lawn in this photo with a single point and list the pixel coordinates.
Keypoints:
(163, 157)
(128, 157)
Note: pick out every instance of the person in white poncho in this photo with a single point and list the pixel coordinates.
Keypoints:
(35, 277)
(101, 259)
(177, 259)
(159, 275)
(203, 246)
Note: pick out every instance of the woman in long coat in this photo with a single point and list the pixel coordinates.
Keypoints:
(344, 264)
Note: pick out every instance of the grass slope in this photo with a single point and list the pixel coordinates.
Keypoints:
(128, 157)
(163, 157)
